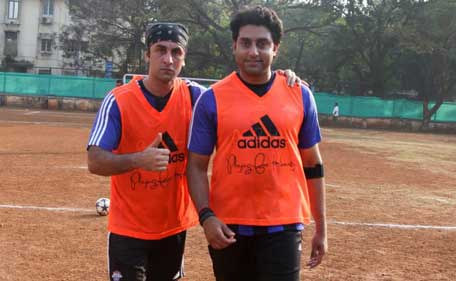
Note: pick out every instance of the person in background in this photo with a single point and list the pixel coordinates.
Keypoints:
(335, 112)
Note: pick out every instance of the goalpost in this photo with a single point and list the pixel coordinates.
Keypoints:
(204, 81)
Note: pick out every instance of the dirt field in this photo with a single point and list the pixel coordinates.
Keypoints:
(391, 200)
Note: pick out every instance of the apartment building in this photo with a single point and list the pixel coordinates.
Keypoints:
(29, 35)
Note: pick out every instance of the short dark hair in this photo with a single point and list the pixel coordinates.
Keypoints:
(258, 15)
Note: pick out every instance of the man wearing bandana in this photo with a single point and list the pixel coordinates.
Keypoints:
(139, 138)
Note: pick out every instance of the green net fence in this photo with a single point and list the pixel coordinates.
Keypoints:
(97, 88)
(373, 107)
(54, 85)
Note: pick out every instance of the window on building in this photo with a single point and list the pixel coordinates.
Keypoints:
(10, 43)
(75, 46)
(46, 46)
(46, 70)
(48, 7)
(13, 9)
(69, 72)
(71, 47)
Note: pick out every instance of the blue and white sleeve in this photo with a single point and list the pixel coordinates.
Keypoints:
(203, 128)
(195, 90)
(309, 134)
(107, 127)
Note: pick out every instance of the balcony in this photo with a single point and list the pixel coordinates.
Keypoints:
(11, 23)
(45, 19)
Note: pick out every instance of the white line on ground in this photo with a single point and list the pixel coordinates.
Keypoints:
(45, 123)
(66, 113)
(392, 225)
(31, 112)
(51, 112)
(71, 167)
(383, 225)
(53, 209)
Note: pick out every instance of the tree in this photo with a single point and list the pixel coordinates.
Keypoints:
(210, 51)
(306, 26)
(428, 48)
(361, 41)
(113, 31)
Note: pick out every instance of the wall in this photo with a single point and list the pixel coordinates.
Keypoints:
(52, 103)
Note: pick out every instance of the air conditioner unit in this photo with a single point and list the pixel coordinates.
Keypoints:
(12, 21)
(46, 19)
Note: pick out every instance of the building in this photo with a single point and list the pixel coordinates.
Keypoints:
(29, 35)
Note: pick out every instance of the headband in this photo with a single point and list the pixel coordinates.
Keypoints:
(167, 31)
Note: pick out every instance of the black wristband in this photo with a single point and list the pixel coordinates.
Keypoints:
(204, 214)
(314, 172)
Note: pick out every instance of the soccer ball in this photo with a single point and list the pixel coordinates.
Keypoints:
(102, 206)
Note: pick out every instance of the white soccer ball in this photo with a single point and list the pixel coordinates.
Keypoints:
(102, 206)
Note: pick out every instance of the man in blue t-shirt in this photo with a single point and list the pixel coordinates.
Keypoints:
(263, 251)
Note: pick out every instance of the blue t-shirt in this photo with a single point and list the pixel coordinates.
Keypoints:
(203, 138)
(107, 127)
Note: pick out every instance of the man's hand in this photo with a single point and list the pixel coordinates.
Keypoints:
(319, 249)
(292, 78)
(154, 158)
(218, 234)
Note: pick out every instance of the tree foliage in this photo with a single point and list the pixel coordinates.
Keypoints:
(428, 53)
(113, 29)
(358, 47)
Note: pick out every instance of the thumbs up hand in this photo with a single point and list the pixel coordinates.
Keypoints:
(155, 158)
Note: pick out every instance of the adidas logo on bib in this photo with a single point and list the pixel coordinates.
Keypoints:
(263, 134)
(169, 143)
